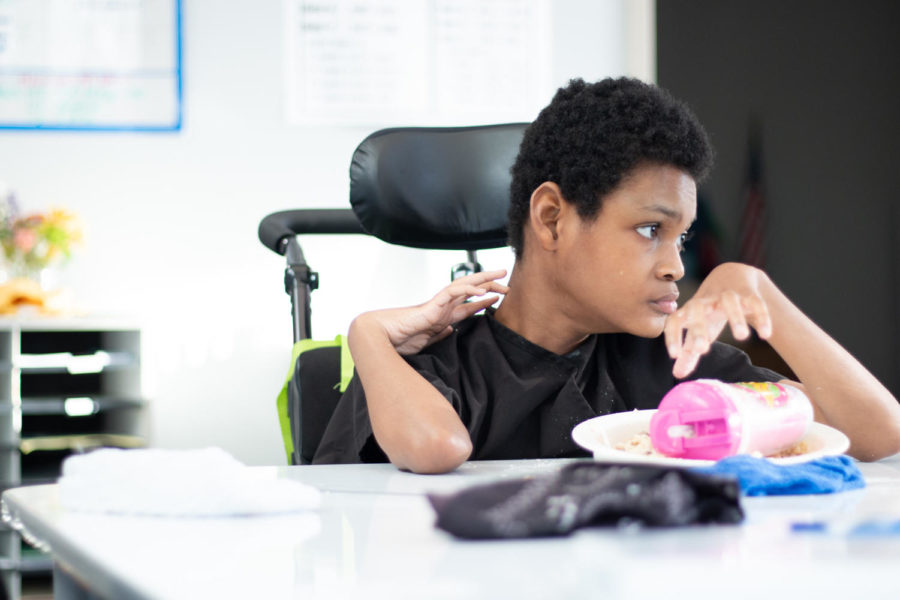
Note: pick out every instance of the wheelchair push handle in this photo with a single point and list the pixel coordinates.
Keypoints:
(276, 228)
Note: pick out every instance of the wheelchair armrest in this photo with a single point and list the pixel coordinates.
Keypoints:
(275, 228)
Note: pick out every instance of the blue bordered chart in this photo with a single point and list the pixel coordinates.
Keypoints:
(90, 65)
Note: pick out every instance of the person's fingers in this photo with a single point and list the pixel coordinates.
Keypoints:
(696, 337)
(457, 293)
(695, 340)
(496, 286)
(476, 284)
(758, 311)
(471, 290)
(482, 277)
(674, 333)
(490, 286)
(701, 323)
(490, 275)
(685, 364)
(734, 311)
(468, 309)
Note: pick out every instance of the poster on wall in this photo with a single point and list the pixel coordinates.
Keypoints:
(90, 65)
(415, 62)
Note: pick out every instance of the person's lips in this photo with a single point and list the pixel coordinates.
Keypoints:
(666, 304)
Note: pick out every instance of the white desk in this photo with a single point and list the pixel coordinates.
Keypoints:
(374, 538)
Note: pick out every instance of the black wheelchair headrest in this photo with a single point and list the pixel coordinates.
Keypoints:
(443, 188)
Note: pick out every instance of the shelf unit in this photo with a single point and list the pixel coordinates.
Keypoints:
(66, 386)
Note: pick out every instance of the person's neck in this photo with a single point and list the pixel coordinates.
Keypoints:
(531, 309)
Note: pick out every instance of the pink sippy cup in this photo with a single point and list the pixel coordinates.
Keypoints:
(708, 419)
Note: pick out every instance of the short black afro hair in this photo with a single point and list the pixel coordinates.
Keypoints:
(591, 135)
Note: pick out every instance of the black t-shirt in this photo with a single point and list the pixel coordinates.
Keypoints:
(519, 400)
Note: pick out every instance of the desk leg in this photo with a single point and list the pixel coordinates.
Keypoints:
(66, 588)
(10, 585)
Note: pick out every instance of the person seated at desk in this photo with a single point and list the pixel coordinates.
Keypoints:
(603, 194)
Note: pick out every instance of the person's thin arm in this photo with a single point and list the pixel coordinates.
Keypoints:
(413, 423)
(845, 394)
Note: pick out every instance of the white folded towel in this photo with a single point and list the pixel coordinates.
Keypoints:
(184, 483)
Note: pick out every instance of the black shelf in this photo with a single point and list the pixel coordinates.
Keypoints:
(57, 405)
(76, 387)
(34, 561)
(76, 364)
(78, 442)
(49, 341)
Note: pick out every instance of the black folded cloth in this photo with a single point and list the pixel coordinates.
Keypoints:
(587, 494)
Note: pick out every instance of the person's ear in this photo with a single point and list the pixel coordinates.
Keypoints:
(547, 205)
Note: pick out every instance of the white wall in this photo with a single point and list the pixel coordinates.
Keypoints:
(171, 218)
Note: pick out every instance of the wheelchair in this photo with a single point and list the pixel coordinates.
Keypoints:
(441, 188)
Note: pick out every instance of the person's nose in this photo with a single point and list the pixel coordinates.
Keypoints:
(670, 267)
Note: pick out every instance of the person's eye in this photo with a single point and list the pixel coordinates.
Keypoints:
(648, 231)
(687, 235)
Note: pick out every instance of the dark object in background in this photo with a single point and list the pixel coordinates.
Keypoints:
(588, 494)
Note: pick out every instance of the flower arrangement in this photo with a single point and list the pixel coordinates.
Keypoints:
(32, 242)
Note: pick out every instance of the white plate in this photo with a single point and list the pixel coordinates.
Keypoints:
(601, 434)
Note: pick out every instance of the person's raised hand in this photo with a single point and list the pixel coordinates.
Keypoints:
(412, 328)
(730, 295)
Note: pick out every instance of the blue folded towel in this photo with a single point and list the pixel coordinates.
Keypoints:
(761, 477)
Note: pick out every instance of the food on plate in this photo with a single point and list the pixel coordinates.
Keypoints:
(795, 450)
(641, 445)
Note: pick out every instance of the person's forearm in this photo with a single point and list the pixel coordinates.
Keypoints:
(845, 394)
(413, 423)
